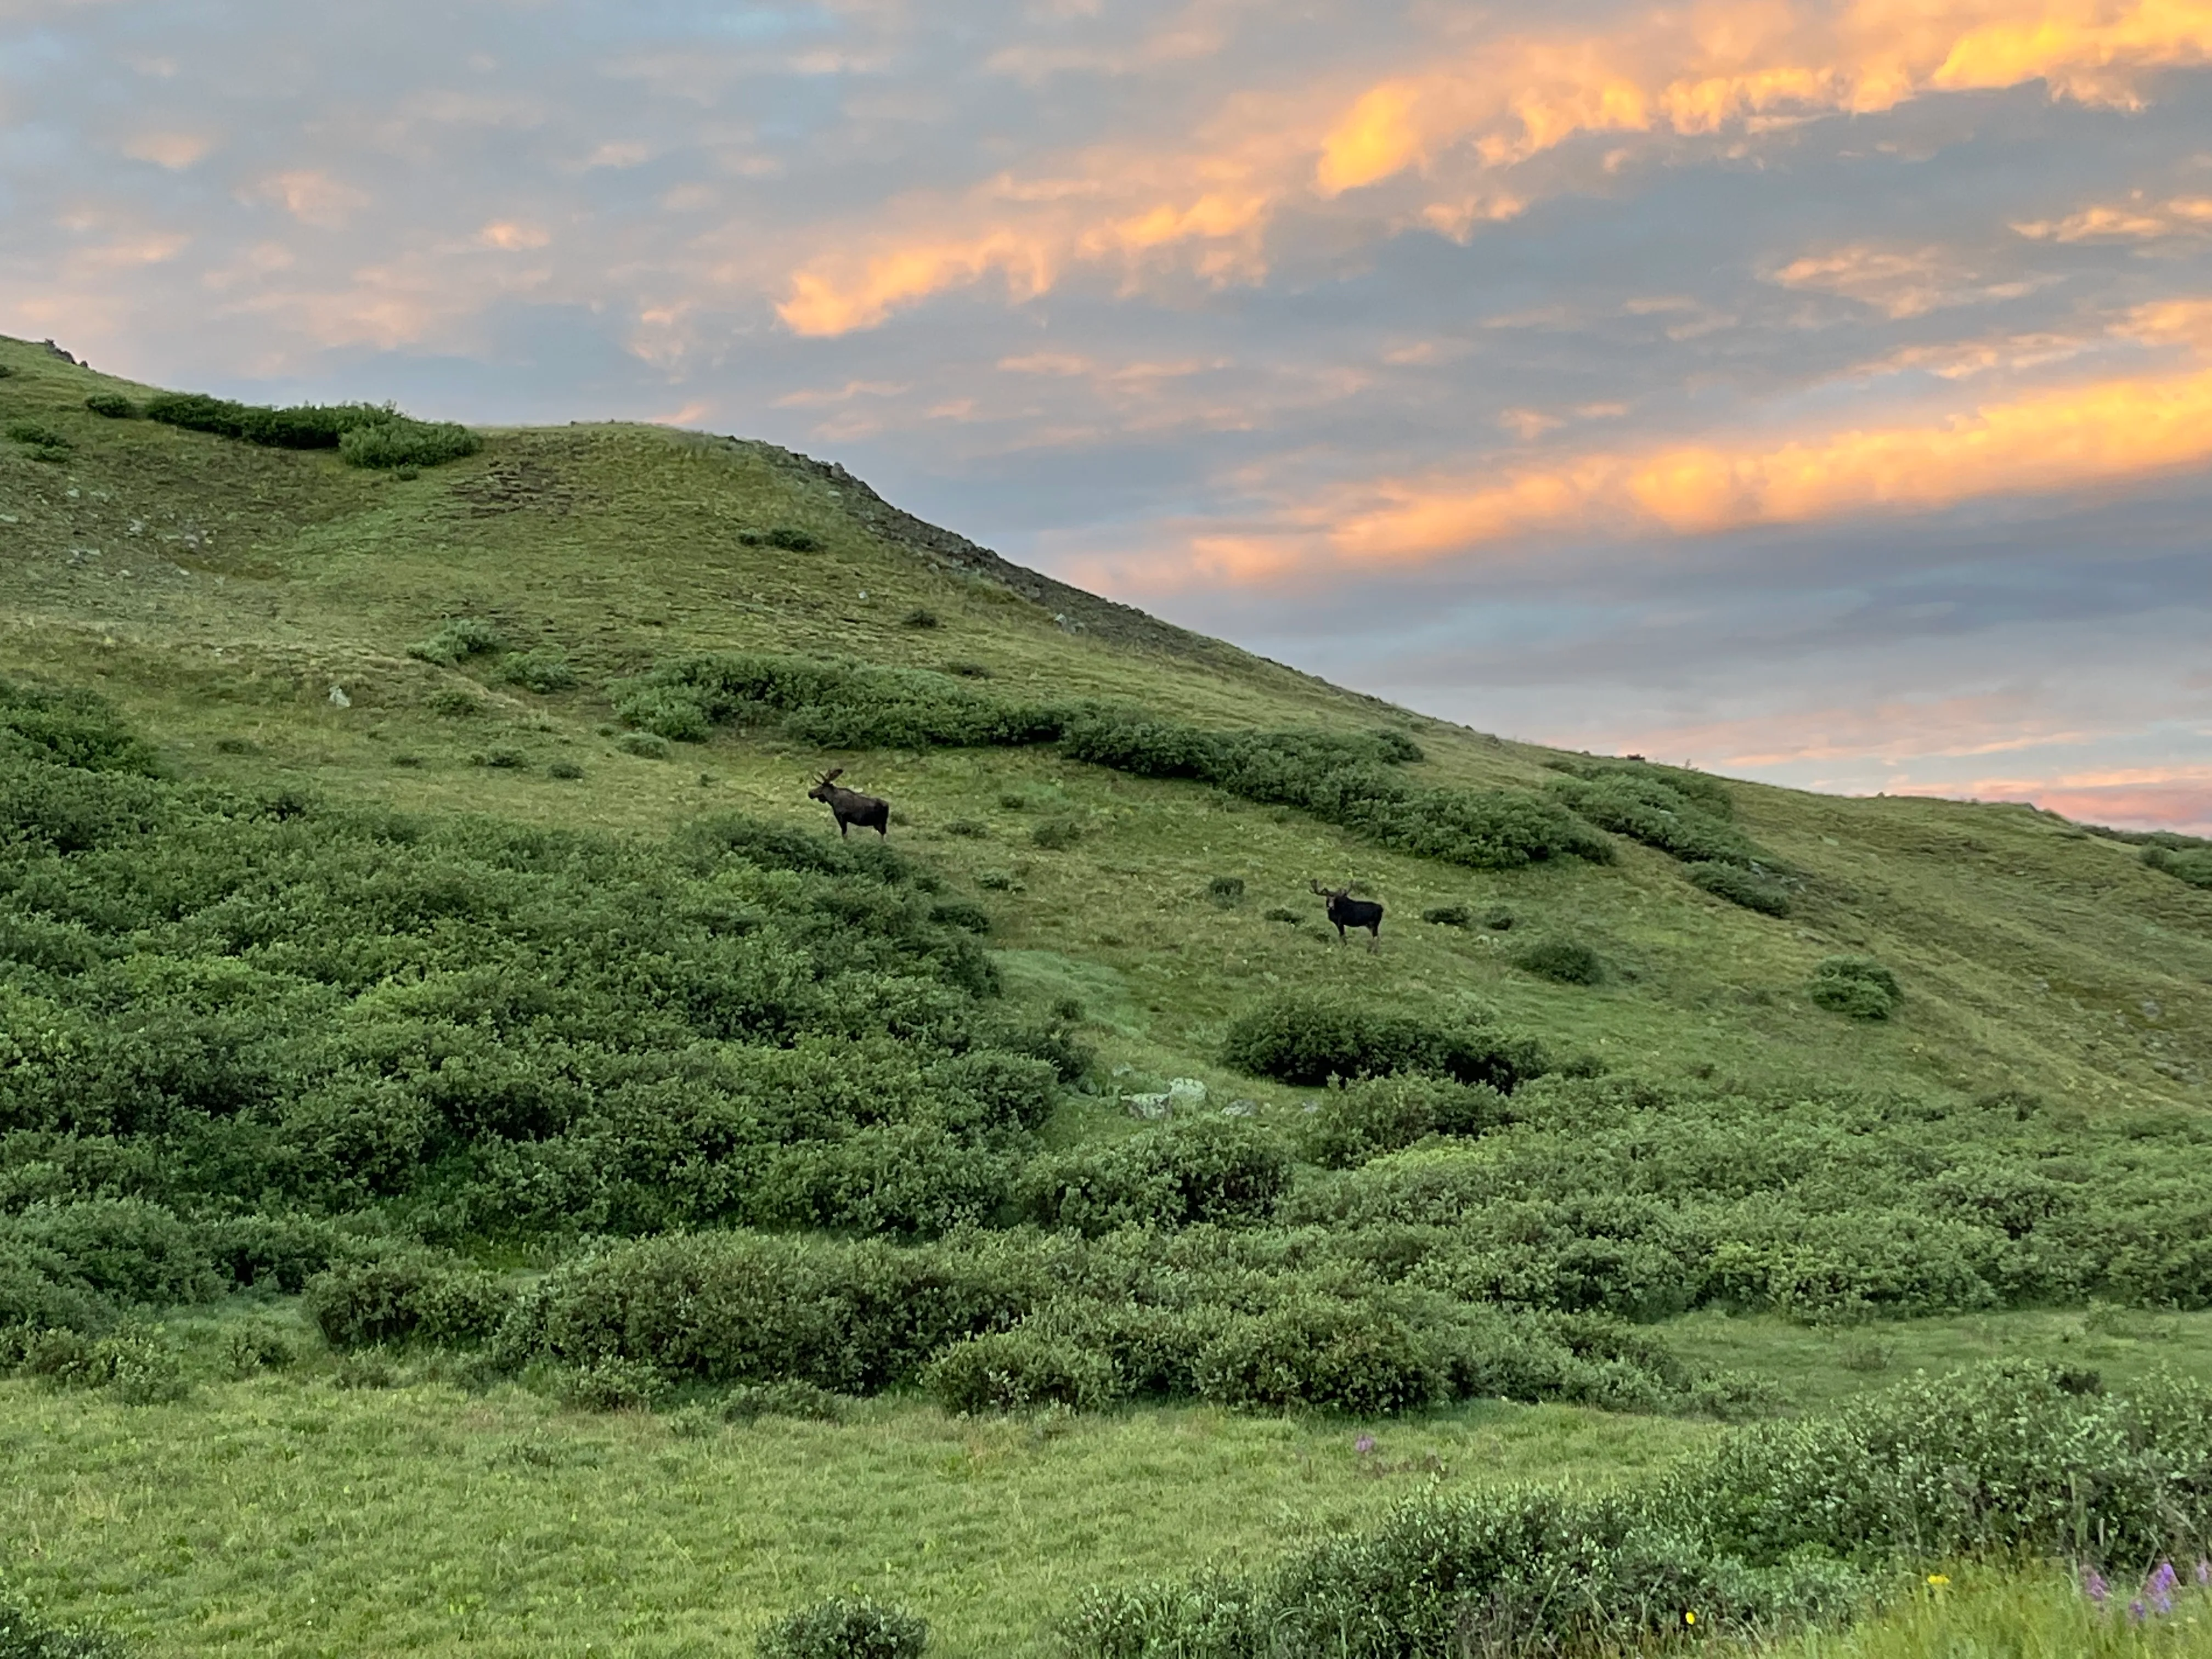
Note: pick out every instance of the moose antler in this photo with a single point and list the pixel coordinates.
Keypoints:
(834, 772)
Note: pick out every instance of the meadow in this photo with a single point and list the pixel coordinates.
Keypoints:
(484, 1164)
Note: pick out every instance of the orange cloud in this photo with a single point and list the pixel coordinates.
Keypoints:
(1487, 106)
(2134, 222)
(2056, 439)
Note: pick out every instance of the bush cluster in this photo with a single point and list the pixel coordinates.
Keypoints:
(1787, 1524)
(1219, 1169)
(456, 639)
(2182, 857)
(1857, 986)
(994, 1321)
(230, 1004)
(1681, 812)
(25, 1633)
(1353, 1122)
(1348, 780)
(846, 1628)
(111, 405)
(1564, 961)
(1751, 888)
(364, 434)
(1307, 1039)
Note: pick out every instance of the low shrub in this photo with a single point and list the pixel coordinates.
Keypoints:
(567, 771)
(33, 435)
(306, 426)
(1794, 1523)
(1223, 1170)
(1056, 834)
(506, 760)
(457, 640)
(646, 745)
(257, 1347)
(610, 1384)
(1565, 962)
(751, 1401)
(2191, 864)
(969, 829)
(1497, 921)
(1353, 1122)
(846, 1628)
(1324, 1353)
(1447, 915)
(404, 1297)
(1226, 891)
(455, 704)
(542, 670)
(920, 617)
(1020, 1370)
(111, 405)
(1856, 987)
(1751, 888)
(138, 1367)
(959, 913)
(969, 670)
(25, 1633)
(1307, 1040)
(399, 442)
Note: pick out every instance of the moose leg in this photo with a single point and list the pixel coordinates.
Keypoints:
(840, 826)
(1375, 936)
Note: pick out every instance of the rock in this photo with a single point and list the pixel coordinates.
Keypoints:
(338, 698)
(1186, 1094)
(1151, 1107)
(1240, 1108)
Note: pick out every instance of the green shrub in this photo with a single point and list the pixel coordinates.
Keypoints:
(111, 405)
(842, 1628)
(920, 617)
(567, 771)
(1793, 1523)
(1752, 889)
(610, 1384)
(968, 829)
(457, 639)
(1497, 921)
(1857, 986)
(34, 436)
(404, 1297)
(1226, 891)
(802, 1400)
(1225, 1170)
(1020, 1370)
(1353, 1122)
(257, 1347)
(397, 441)
(1682, 813)
(304, 426)
(139, 1367)
(1307, 1040)
(1567, 962)
(2191, 864)
(506, 760)
(958, 913)
(25, 1634)
(1448, 915)
(455, 703)
(646, 745)
(1325, 1353)
(1056, 834)
(542, 670)
(969, 670)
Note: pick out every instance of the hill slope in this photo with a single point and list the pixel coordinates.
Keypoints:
(221, 591)
(409, 892)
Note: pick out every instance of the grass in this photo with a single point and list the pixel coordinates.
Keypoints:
(218, 593)
(1984, 1611)
(287, 1515)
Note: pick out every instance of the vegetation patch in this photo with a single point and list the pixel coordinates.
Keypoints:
(1751, 888)
(1308, 1040)
(1789, 1525)
(364, 434)
(111, 405)
(1563, 961)
(1350, 781)
(1857, 986)
(846, 1628)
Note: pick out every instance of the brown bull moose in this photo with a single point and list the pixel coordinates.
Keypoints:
(850, 806)
(1346, 911)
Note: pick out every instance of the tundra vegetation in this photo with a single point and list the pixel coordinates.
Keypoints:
(466, 1120)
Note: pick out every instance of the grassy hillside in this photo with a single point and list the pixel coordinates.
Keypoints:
(314, 653)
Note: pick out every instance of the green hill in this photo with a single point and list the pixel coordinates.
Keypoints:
(412, 897)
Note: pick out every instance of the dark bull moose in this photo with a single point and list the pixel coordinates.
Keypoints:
(850, 806)
(1346, 911)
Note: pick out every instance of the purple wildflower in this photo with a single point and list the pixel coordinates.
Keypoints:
(2203, 1571)
(2135, 1611)
(1365, 1445)
(2166, 1578)
(2096, 1587)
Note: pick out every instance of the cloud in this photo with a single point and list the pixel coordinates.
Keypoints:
(2134, 220)
(173, 150)
(311, 197)
(1897, 283)
(1680, 73)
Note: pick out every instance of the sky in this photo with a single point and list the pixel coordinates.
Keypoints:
(1813, 392)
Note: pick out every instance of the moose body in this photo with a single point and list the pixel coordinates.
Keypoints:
(850, 806)
(1346, 911)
